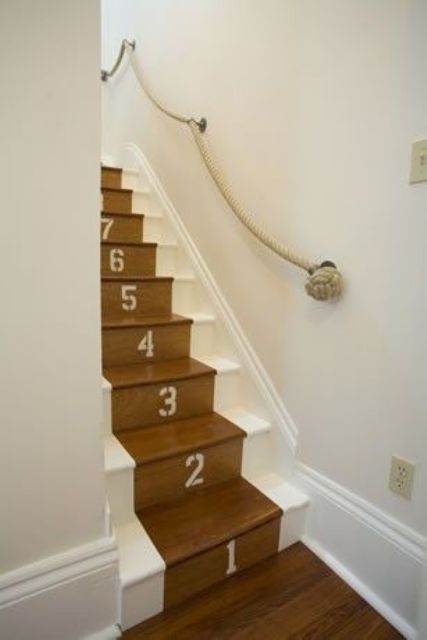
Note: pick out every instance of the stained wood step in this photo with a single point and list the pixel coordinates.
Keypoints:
(148, 394)
(116, 200)
(183, 456)
(111, 177)
(129, 259)
(122, 227)
(147, 340)
(135, 298)
(212, 534)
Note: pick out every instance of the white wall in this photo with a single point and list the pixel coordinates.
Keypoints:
(51, 466)
(312, 109)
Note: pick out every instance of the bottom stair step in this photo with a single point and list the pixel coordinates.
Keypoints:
(210, 535)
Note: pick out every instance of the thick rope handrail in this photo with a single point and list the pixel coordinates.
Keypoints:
(324, 281)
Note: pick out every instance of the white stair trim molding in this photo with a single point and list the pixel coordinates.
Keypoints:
(251, 361)
(50, 591)
(142, 571)
(251, 424)
(378, 556)
(293, 502)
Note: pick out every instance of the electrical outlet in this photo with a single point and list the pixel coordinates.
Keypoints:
(419, 162)
(401, 477)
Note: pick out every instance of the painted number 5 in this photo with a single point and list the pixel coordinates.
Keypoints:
(169, 395)
(128, 297)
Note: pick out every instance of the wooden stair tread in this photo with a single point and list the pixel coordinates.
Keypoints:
(108, 168)
(135, 375)
(128, 243)
(122, 215)
(116, 189)
(176, 438)
(136, 279)
(154, 321)
(206, 519)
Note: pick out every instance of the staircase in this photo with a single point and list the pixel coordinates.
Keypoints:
(195, 485)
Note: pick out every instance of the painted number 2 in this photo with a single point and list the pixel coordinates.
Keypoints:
(195, 477)
(232, 567)
(147, 345)
(169, 401)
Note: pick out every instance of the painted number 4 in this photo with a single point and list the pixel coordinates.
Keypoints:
(147, 345)
(169, 401)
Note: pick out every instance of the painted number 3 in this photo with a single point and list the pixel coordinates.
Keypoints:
(169, 401)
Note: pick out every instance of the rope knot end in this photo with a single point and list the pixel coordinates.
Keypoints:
(324, 282)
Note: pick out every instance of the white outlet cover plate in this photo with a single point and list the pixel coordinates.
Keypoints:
(419, 162)
(401, 477)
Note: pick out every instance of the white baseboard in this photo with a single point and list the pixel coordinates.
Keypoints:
(376, 555)
(70, 595)
(251, 361)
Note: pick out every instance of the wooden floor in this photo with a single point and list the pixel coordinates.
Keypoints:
(292, 595)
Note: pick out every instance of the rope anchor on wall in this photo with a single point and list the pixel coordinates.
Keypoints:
(324, 281)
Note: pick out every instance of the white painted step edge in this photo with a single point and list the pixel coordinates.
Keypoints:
(116, 458)
(291, 500)
(138, 557)
(222, 365)
(202, 318)
(252, 424)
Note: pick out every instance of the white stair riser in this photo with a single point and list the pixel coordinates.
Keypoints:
(120, 495)
(106, 411)
(134, 180)
(202, 339)
(166, 260)
(153, 229)
(140, 202)
(142, 600)
(183, 296)
(227, 390)
(257, 456)
(292, 527)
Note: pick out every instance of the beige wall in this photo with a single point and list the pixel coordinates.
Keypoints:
(312, 109)
(51, 467)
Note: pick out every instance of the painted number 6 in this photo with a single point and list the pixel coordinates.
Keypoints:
(117, 262)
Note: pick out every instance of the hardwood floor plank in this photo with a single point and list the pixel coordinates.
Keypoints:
(292, 595)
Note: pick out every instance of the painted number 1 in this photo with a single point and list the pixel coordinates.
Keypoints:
(232, 567)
